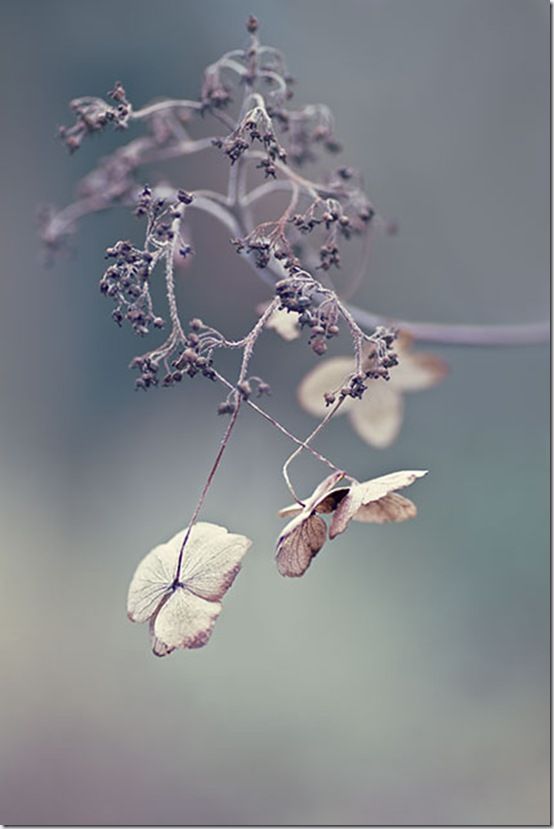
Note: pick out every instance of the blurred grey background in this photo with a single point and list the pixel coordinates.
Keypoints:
(405, 679)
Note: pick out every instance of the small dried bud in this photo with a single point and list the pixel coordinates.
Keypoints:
(319, 346)
(184, 197)
(245, 389)
(225, 408)
(252, 25)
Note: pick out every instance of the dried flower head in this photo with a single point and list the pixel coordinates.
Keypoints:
(182, 607)
(377, 416)
(375, 501)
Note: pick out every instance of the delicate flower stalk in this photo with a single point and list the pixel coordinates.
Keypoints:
(205, 489)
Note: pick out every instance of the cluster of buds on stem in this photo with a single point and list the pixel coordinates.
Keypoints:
(126, 281)
(255, 126)
(180, 355)
(380, 353)
(299, 293)
(266, 240)
(94, 114)
(340, 220)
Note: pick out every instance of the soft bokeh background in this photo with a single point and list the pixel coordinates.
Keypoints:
(405, 679)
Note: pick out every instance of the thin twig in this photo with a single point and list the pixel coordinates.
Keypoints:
(278, 425)
(206, 487)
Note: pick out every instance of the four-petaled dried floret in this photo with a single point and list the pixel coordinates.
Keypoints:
(178, 590)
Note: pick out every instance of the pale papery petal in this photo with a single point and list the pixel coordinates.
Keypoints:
(158, 647)
(391, 508)
(303, 537)
(151, 581)
(377, 417)
(417, 371)
(368, 492)
(328, 376)
(299, 544)
(284, 323)
(290, 510)
(185, 621)
(212, 560)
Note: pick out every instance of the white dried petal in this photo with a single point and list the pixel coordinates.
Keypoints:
(367, 492)
(212, 560)
(417, 371)
(158, 647)
(284, 323)
(377, 417)
(185, 620)
(151, 582)
(329, 376)
(288, 512)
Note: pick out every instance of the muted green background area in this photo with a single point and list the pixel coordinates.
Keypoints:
(405, 679)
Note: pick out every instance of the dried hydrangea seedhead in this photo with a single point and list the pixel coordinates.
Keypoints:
(304, 536)
(245, 97)
(182, 607)
(377, 416)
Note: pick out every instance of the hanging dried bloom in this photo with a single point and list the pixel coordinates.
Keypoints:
(377, 416)
(284, 323)
(375, 501)
(182, 608)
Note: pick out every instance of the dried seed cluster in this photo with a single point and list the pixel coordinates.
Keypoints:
(94, 114)
(181, 355)
(126, 282)
(268, 133)
(256, 126)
